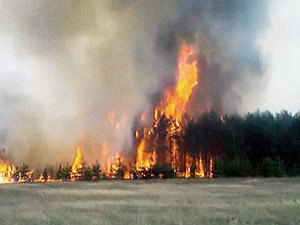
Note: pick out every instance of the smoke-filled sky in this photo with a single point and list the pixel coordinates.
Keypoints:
(281, 48)
(67, 68)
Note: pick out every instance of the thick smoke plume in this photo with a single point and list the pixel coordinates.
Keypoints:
(82, 71)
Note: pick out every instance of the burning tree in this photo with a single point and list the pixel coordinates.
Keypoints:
(77, 166)
(161, 142)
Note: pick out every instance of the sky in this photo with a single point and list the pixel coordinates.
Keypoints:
(281, 48)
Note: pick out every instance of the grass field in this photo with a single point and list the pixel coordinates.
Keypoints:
(177, 201)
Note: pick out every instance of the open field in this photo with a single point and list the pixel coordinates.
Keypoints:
(177, 201)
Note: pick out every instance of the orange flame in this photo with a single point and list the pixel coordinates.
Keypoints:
(142, 158)
(175, 100)
(188, 165)
(127, 175)
(200, 168)
(174, 103)
(6, 173)
(211, 166)
(77, 164)
(154, 158)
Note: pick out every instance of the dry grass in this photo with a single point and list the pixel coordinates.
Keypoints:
(178, 201)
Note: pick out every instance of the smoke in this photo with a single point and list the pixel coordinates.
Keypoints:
(65, 65)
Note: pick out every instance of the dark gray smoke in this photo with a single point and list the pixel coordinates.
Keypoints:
(225, 33)
(66, 64)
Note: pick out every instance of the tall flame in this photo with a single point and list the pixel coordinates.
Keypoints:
(77, 164)
(175, 100)
(173, 105)
(142, 158)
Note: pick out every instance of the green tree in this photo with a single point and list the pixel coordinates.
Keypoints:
(272, 167)
(88, 174)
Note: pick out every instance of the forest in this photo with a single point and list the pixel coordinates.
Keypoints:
(256, 144)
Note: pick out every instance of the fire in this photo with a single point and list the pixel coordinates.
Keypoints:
(6, 173)
(142, 157)
(127, 175)
(188, 165)
(154, 158)
(173, 106)
(42, 179)
(116, 168)
(211, 166)
(158, 144)
(77, 164)
(175, 100)
(200, 168)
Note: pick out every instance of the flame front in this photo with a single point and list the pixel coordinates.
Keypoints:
(175, 100)
(157, 144)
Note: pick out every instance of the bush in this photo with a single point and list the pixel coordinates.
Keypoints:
(63, 172)
(88, 175)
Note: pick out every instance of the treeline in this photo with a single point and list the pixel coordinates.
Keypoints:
(63, 173)
(257, 144)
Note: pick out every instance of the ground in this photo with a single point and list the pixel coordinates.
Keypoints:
(177, 201)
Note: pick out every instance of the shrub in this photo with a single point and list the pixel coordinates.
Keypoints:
(88, 174)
